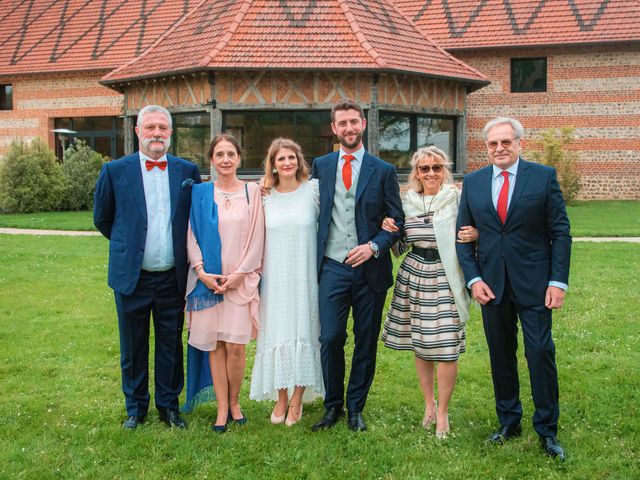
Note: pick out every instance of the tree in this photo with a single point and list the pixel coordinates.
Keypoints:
(554, 151)
(81, 168)
(31, 178)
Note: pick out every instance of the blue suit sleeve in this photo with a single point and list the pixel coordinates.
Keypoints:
(104, 203)
(393, 209)
(559, 231)
(466, 251)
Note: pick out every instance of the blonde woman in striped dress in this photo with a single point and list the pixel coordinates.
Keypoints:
(430, 304)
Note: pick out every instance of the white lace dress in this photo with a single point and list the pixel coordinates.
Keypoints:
(288, 349)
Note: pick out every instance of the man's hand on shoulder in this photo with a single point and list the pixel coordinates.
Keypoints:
(554, 298)
(481, 292)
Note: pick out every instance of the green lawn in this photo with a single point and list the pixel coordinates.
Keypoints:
(605, 218)
(62, 406)
(588, 219)
(49, 220)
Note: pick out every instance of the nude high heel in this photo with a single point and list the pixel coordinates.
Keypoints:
(290, 420)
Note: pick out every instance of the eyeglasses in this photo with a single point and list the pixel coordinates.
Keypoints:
(504, 143)
(426, 168)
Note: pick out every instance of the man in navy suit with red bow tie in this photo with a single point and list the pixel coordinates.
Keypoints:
(142, 206)
(519, 270)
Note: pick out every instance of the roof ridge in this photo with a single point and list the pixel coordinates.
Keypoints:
(156, 42)
(364, 43)
(235, 23)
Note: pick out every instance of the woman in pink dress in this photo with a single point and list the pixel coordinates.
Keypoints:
(225, 328)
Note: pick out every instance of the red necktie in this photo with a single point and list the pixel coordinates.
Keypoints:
(503, 198)
(346, 171)
(150, 164)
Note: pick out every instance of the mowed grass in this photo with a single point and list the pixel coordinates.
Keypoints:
(615, 218)
(588, 219)
(82, 220)
(62, 407)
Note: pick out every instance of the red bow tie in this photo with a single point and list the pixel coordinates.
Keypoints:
(150, 164)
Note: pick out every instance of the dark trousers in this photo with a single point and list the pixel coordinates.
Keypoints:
(156, 293)
(501, 330)
(342, 288)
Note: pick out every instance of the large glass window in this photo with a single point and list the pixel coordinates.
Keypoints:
(102, 134)
(6, 97)
(528, 75)
(256, 130)
(191, 137)
(401, 134)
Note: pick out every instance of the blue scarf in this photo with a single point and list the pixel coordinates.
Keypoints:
(204, 224)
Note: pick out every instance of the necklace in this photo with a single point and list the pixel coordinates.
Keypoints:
(427, 218)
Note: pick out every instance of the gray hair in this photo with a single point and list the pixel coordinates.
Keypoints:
(518, 130)
(154, 108)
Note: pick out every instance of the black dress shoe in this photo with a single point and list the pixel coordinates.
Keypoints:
(505, 433)
(330, 418)
(172, 418)
(132, 421)
(552, 447)
(356, 422)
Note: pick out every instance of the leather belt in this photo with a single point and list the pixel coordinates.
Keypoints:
(429, 254)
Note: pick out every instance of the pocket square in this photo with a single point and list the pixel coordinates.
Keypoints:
(187, 183)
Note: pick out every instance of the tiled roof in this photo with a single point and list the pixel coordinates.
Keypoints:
(76, 35)
(298, 35)
(470, 24)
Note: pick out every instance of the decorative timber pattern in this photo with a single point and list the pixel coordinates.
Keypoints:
(491, 23)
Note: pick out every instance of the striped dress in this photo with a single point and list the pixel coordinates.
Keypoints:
(423, 315)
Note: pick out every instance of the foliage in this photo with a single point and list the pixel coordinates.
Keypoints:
(81, 168)
(62, 405)
(31, 179)
(555, 152)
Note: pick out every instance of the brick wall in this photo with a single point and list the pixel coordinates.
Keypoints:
(594, 89)
(38, 100)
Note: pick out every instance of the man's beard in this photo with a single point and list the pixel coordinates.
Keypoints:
(354, 144)
(166, 142)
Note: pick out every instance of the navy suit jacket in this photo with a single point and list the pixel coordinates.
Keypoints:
(377, 196)
(533, 246)
(120, 213)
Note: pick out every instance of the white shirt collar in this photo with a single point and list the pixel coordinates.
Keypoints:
(144, 158)
(358, 154)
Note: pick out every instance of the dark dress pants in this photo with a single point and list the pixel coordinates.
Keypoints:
(501, 331)
(156, 294)
(342, 288)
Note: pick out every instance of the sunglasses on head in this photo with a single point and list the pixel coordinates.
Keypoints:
(426, 168)
(504, 143)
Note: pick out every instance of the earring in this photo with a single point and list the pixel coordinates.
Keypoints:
(274, 171)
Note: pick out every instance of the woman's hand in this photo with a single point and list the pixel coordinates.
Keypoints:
(389, 225)
(467, 234)
(234, 280)
(214, 282)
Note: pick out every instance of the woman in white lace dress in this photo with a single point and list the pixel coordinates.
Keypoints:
(287, 361)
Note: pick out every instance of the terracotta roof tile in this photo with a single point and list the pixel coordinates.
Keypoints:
(470, 24)
(295, 34)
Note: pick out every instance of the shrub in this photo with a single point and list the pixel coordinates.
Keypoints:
(81, 168)
(31, 178)
(554, 152)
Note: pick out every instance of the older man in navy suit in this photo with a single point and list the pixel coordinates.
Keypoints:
(142, 206)
(357, 191)
(520, 270)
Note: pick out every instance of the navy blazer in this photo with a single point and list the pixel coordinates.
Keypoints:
(377, 196)
(533, 246)
(120, 213)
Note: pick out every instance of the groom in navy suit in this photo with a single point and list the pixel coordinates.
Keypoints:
(520, 270)
(357, 191)
(142, 206)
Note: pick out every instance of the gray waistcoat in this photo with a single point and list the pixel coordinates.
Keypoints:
(342, 232)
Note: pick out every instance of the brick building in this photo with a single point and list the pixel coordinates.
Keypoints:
(261, 69)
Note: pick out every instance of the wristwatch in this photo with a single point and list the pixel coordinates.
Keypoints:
(374, 248)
